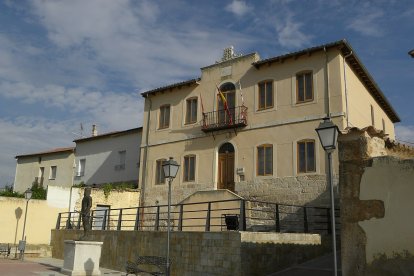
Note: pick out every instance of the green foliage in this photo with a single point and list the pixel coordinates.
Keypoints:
(10, 193)
(80, 185)
(107, 189)
(38, 192)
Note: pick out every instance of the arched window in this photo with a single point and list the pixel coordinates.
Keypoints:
(226, 148)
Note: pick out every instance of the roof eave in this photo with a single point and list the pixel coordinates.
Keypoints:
(171, 87)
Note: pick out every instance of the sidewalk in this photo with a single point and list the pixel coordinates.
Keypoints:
(321, 266)
(39, 267)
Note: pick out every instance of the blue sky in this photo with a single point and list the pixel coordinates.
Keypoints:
(63, 63)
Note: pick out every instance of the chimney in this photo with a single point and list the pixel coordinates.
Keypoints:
(94, 131)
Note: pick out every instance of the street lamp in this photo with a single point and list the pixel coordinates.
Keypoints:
(170, 169)
(328, 135)
(22, 243)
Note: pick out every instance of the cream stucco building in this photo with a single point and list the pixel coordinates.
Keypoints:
(108, 158)
(53, 167)
(264, 146)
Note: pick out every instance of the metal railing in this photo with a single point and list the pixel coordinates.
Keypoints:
(223, 119)
(236, 214)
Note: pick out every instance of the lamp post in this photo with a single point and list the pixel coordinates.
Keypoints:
(22, 243)
(328, 135)
(170, 169)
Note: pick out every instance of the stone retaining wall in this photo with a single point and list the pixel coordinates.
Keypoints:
(204, 253)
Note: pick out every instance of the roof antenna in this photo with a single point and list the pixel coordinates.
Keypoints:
(80, 133)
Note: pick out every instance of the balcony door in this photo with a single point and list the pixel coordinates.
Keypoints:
(229, 91)
(226, 167)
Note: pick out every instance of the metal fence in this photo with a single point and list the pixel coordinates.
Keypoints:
(225, 215)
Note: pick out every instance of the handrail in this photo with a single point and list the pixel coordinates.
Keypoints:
(251, 214)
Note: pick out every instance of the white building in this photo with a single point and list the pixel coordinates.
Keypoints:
(108, 158)
(52, 167)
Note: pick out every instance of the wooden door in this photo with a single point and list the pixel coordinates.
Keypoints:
(226, 171)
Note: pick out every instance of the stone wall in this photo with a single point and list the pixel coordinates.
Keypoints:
(376, 181)
(116, 199)
(203, 253)
(296, 190)
(158, 194)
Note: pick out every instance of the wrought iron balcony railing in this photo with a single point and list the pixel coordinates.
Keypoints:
(222, 119)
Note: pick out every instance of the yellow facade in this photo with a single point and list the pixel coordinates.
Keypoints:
(281, 126)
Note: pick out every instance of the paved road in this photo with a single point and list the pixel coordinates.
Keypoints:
(51, 267)
(39, 267)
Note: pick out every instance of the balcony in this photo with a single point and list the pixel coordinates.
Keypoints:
(236, 117)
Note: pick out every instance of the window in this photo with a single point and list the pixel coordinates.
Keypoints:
(306, 156)
(53, 170)
(159, 173)
(81, 167)
(122, 157)
(265, 160)
(164, 117)
(191, 115)
(304, 87)
(383, 125)
(265, 94)
(189, 168)
(372, 116)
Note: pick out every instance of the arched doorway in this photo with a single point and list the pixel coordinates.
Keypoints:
(226, 167)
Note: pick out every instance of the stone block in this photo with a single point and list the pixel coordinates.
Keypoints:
(82, 258)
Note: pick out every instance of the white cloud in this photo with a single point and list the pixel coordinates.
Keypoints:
(238, 7)
(28, 135)
(405, 134)
(289, 34)
(367, 23)
(130, 38)
(113, 110)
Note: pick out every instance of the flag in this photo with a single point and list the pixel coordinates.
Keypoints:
(241, 93)
(226, 108)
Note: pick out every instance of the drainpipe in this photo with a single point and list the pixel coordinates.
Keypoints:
(144, 162)
(346, 89)
(328, 107)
